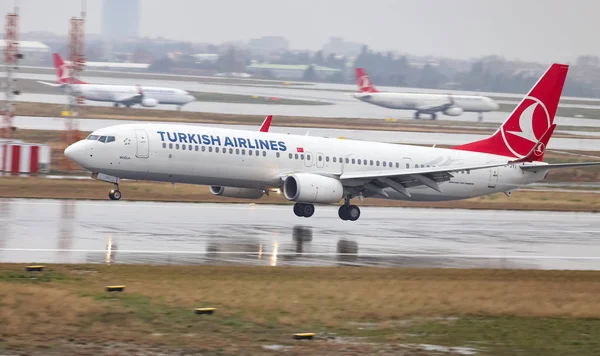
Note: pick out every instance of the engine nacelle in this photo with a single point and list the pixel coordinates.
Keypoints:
(312, 188)
(149, 103)
(231, 192)
(454, 111)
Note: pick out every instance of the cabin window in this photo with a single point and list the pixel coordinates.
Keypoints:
(264, 153)
(93, 137)
(384, 163)
(407, 166)
(190, 147)
(110, 139)
(203, 148)
(183, 147)
(359, 161)
(296, 156)
(347, 160)
(231, 151)
(237, 151)
(177, 146)
(327, 159)
(320, 158)
(334, 159)
(257, 153)
(308, 157)
(365, 162)
(390, 164)
(209, 148)
(164, 145)
(249, 152)
(422, 166)
(217, 149)
(170, 145)
(377, 163)
(302, 156)
(290, 155)
(278, 154)
(397, 165)
(196, 148)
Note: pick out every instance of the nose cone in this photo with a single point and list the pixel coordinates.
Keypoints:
(189, 98)
(494, 105)
(76, 153)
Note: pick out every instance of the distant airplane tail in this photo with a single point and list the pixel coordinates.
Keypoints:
(62, 71)
(526, 132)
(364, 82)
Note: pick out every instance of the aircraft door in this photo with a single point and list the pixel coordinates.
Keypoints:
(308, 159)
(143, 146)
(493, 177)
(320, 160)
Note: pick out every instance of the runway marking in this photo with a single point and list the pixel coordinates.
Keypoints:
(310, 254)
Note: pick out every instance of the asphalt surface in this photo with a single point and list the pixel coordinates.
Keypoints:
(55, 231)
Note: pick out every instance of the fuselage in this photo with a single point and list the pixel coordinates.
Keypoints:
(423, 102)
(119, 93)
(259, 160)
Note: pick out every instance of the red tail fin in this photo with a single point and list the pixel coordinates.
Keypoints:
(529, 121)
(364, 82)
(62, 71)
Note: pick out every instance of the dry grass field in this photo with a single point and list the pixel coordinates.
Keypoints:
(354, 311)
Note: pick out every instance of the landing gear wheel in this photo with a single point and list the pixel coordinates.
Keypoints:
(343, 212)
(298, 209)
(353, 212)
(417, 115)
(114, 194)
(304, 210)
(116, 105)
(308, 210)
(433, 116)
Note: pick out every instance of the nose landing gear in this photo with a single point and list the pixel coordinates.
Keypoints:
(115, 194)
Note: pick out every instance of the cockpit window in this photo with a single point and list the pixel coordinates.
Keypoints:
(110, 139)
(93, 137)
(102, 139)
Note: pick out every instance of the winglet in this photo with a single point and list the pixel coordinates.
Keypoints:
(538, 150)
(266, 124)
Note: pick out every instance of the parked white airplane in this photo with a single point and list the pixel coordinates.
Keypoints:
(309, 170)
(451, 105)
(126, 95)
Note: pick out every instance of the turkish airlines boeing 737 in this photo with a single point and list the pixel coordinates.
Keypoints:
(313, 170)
(126, 95)
(451, 105)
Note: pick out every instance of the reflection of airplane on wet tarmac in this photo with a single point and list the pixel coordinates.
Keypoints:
(430, 104)
(315, 170)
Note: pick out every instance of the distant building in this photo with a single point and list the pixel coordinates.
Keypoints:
(268, 44)
(120, 19)
(33, 51)
(337, 45)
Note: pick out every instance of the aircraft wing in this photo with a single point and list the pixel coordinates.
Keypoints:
(542, 167)
(400, 179)
(433, 108)
(51, 84)
(129, 99)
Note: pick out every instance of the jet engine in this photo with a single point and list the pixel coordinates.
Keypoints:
(231, 192)
(312, 188)
(147, 102)
(453, 111)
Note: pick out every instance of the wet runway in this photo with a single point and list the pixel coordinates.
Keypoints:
(48, 231)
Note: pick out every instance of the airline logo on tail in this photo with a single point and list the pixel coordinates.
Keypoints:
(524, 131)
(62, 71)
(364, 82)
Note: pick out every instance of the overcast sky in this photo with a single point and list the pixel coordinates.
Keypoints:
(537, 30)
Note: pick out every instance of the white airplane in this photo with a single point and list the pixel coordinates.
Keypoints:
(451, 105)
(126, 95)
(314, 170)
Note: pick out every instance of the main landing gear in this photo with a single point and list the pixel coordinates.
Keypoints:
(115, 194)
(304, 210)
(348, 211)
